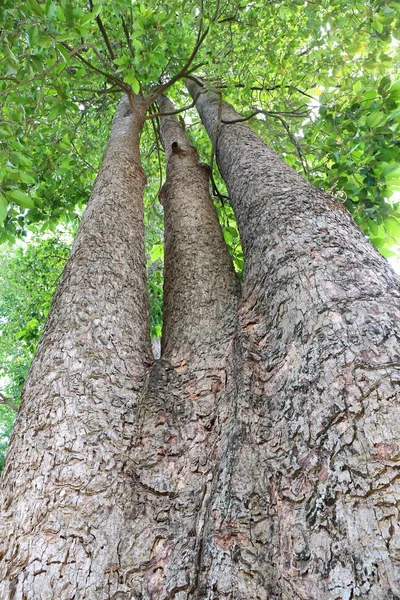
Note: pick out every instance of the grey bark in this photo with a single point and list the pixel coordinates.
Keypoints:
(314, 491)
(181, 426)
(259, 463)
(67, 499)
(201, 289)
(112, 466)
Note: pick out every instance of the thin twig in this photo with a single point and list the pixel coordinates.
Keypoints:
(267, 113)
(128, 37)
(266, 89)
(174, 112)
(295, 144)
(184, 71)
(156, 139)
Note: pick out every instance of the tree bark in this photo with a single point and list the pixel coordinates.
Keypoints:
(67, 498)
(201, 289)
(182, 426)
(315, 488)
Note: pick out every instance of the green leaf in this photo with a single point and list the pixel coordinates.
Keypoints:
(376, 119)
(122, 61)
(71, 34)
(5, 133)
(378, 242)
(60, 13)
(387, 253)
(157, 252)
(392, 226)
(44, 40)
(88, 17)
(228, 237)
(10, 54)
(17, 158)
(21, 199)
(3, 209)
(384, 84)
(50, 9)
(391, 172)
(131, 79)
(395, 86)
(64, 52)
(35, 6)
(26, 178)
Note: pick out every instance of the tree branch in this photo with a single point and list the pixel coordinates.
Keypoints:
(167, 114)
(265, 89)
(185, 70)
(87, 63)
(103, 33)
(127, 36)
(267, 113)
(10, 403)
(111, 78)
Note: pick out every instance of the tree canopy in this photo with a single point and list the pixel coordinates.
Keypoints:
(320, 81)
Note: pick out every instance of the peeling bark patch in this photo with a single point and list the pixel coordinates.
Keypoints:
(228, 540)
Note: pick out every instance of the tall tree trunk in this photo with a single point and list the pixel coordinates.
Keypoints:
(315, 486)
(200, 283)
(67, 498)
(181, 434)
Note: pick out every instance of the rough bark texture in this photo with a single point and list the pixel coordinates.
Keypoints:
(251, 463)
(182, 430)
(200, 283)
(112, 467)
(67, 498)
(314, 492)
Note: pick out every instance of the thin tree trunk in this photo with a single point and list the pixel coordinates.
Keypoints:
(315, 487)
(201, 289)
(67, 498)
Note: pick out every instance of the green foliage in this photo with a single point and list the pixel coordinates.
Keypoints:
(356, 152)
(61, 64)
(27, 283)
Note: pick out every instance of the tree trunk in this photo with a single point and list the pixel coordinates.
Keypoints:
(200, 286)
(181, 435)
(258, 462)
(67, 498)
(110, 473)
(315, 487)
